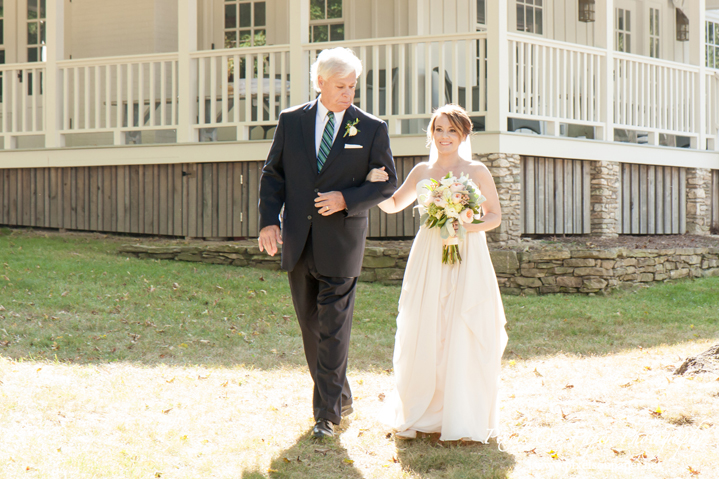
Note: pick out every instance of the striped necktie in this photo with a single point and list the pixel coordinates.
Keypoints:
(326, 144)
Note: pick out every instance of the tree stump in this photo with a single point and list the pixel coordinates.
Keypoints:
(706, 362)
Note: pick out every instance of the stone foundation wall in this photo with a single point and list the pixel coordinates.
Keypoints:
(535, 272)
(506, 171)
(699, 207)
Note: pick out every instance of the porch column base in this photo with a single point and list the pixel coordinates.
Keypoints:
(604, 186)
(699, 206)
(506, 171)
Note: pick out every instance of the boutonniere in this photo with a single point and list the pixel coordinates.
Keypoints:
(351, 128)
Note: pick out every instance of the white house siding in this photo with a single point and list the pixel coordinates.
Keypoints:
(101, 28)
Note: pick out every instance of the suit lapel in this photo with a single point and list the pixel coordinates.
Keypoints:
(339, 143)
(309, 117)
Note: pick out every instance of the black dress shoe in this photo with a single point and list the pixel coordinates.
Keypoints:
(347, 410)
(322, 429)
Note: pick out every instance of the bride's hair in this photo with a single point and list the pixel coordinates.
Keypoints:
(457, 117)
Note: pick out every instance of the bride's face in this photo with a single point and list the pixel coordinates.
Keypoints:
(446, 137)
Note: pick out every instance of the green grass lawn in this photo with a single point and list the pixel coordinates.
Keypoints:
(73, 298)
(120, 367)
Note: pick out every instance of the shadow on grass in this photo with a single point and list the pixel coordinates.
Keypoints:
(433, 459)
(312, 459)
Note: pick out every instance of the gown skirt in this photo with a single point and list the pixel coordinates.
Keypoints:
(449, 343)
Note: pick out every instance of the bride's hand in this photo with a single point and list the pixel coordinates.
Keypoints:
(377, 175)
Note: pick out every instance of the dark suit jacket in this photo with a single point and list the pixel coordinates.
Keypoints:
(290, 178)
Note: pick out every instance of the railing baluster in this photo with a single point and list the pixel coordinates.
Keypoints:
(376, 90)
(175, 98)
(441, 78)
(236, 86)
(260, 87)
(389, 77)
(428, 78)
(283, 81)
(213, 90)
(163, 93)
(130, 109)
(402, 66)
(152, 87)
(202, 120)
(248, 88)
(272, 58)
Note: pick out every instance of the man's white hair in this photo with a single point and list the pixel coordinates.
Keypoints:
(337, 61)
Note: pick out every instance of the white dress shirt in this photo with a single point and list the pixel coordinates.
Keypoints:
(321, 122)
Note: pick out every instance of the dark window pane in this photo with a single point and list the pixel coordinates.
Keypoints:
(260, 14)
(620, 19)
(245, 39)
(260, 38)
(31, 9)
(481, 12)
(2, 57)
(1, 31)
(656, 22)
(32, 54)
(334, 8)
(651, 21)
(628, 48)
(317, 9)
(43, 11)
(538, 2)
(520, 18)
(529, 2)
(230, 39)
(32, 33)
(627, 16)
(1, 9)
(245, 14)
(530, 20)
(538, 21)
(320, 33)
(42, 32)
(651, 49)
(620, 42)
(337, 32)
(231, 16)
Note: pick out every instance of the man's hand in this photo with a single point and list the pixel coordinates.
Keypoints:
(330, 203)
(269, 237)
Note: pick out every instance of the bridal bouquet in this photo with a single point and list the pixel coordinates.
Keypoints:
(448, 202)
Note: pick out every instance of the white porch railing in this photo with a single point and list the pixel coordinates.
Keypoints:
(244, 88)
(22, 101)
(655, 95)
(406, 78)
(553, 81)
(403, 80)
(119, 94)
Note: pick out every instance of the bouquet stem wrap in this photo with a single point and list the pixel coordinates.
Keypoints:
(450, 251)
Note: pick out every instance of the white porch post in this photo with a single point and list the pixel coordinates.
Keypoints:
(53, 81)
(607, 17)
(186, 71)
(498, 67)
(696, 11)
(299, 60)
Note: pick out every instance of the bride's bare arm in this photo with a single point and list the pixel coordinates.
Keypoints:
(492, 213)
(405, 194)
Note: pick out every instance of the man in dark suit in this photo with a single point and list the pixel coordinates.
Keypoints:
(316, 168)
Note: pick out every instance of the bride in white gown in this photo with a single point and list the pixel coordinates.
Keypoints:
(450, 328)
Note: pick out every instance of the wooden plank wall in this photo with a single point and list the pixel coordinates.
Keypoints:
(207, 200)
(652, 200)
(555, 196)
(715, 201)
(404, 224)
(212, 200)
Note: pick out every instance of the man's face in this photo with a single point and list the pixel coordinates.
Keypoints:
(338, 93)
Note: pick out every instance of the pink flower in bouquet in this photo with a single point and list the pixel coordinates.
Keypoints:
(456, 186)
(466, 216)
(439, 201)
(456, 197)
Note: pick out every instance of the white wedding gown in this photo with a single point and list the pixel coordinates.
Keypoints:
(449, 342)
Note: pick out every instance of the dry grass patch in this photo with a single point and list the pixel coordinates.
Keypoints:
(623, 415)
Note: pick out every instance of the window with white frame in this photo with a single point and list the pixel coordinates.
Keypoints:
(654, 32)
(326, 21)
(245, 23)
(481, 14)
(623, 30)
(712, 44)
(529, 16)
(36, 30)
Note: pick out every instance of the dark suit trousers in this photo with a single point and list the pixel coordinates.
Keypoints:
(324, 307)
